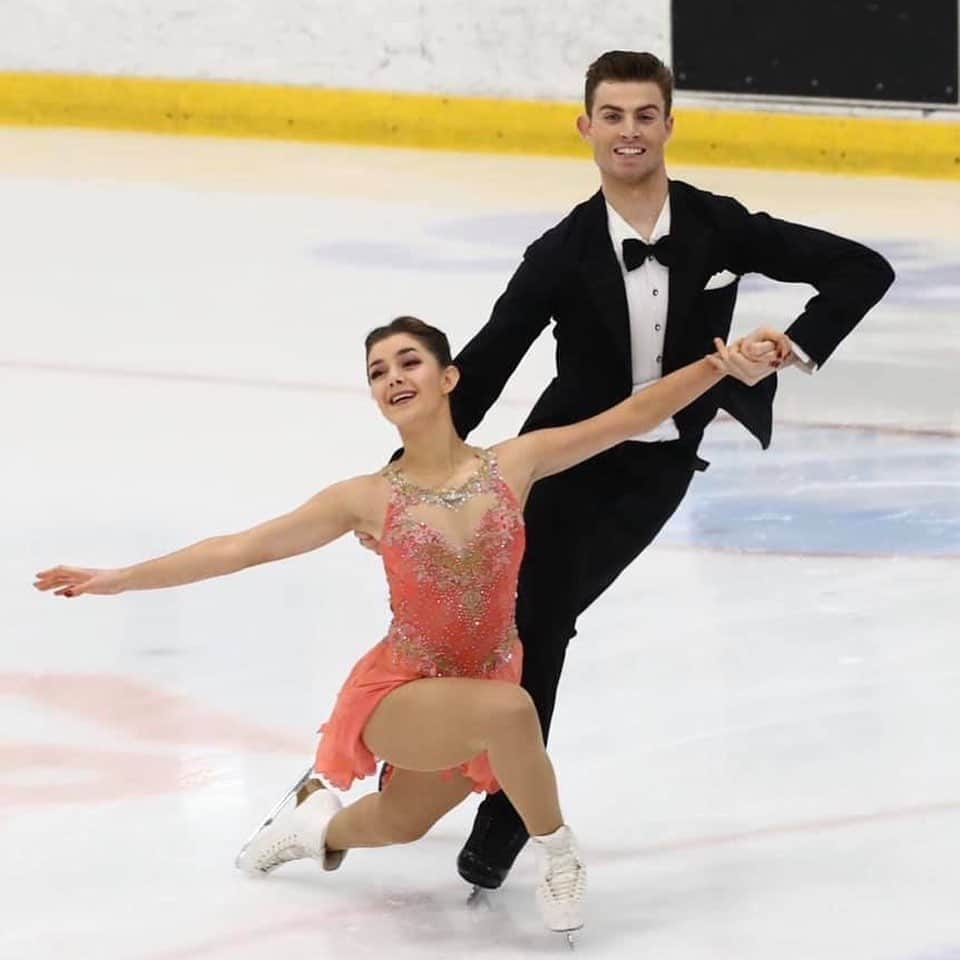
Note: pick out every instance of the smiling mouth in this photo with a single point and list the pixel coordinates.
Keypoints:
(401, 398)
(629, 151)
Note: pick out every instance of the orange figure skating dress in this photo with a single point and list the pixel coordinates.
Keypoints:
(453, 608)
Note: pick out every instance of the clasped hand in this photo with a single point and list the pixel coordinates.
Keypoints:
(753, 357)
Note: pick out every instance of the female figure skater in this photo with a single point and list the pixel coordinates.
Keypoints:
(439, 698)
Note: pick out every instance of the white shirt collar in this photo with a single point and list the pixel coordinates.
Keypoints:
(620, 230)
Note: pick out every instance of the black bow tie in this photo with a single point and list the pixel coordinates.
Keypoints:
(666, 250)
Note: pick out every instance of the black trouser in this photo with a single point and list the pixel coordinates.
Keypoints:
(584, 527)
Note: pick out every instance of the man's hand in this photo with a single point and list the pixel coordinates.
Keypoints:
(371, 543)
(757, 345)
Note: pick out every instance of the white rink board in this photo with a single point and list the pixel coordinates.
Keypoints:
(501, 48)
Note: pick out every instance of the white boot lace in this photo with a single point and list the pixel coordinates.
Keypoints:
(282, 850)
(563, 882)
(566, 879)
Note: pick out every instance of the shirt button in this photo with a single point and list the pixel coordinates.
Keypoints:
(656, 326)
(659, 359)
(656, 292)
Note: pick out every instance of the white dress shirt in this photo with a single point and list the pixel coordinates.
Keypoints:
(648, 290)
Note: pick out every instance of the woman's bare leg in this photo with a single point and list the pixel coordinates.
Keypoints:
(407, 807)
(436, 724)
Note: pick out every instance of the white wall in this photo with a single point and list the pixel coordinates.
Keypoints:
(536, 48)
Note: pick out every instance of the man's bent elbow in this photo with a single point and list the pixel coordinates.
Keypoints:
(883, 273)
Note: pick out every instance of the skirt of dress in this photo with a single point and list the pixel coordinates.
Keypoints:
(343, 757)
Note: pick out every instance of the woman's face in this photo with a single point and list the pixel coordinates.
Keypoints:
(406, 379)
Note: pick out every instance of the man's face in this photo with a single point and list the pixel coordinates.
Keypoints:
(628, 129)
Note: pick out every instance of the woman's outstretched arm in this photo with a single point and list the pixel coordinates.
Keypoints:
(322, 519)
(544, 452)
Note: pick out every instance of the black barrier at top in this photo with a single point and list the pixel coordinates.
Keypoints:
(846, 49)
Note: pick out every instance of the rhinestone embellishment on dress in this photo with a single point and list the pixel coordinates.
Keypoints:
(453, 585)
(451, 497)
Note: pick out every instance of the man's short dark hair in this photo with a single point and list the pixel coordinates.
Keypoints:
(626, 66)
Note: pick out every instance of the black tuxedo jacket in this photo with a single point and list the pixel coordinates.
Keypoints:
(571, 275)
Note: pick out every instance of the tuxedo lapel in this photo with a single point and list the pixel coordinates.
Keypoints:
(688, 277)
(604, 280)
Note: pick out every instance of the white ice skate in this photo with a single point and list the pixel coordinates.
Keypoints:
(293, 833)
(563, 881)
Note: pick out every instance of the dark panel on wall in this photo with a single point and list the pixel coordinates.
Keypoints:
(849, 49)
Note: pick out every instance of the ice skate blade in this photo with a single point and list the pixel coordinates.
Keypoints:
(479, 897)
(570, 936)
(237, 860)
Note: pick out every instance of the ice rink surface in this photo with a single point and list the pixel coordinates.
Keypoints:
(757, 729)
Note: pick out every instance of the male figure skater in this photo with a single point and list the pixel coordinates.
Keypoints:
(633, 280)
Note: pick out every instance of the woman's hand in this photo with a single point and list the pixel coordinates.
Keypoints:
(767, 352)
(369, 542)
(73, 581)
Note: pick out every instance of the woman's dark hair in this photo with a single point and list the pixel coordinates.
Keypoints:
(432, 339)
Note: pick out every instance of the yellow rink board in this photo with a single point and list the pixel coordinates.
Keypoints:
(784, 141)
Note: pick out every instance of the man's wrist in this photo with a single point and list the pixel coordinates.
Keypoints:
(799, 358)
